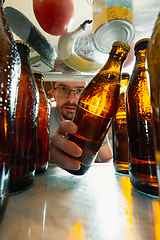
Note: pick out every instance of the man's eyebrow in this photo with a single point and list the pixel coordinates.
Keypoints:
(61, 85)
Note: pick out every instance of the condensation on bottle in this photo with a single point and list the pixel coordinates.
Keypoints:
(97, 106)
(43, 126)
(10, 67)
(23, 163)
(119, 131)
(153, 58)
(142, 164)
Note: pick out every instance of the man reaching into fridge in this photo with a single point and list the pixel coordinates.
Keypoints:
(66, 95)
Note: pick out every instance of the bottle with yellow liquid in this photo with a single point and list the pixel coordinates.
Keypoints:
(97, 107)
(142, 164)
(23, 161)
(10, 68)
(43, 126)
(119, 132)
(153, 58)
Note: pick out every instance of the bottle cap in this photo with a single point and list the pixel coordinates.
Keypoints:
(121, 44)
(38, 73)
(143, 40)
(125, 74)
(22, 43)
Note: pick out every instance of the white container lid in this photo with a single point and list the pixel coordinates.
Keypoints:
(111, 31)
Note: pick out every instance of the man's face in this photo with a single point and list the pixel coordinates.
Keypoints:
(67, 105)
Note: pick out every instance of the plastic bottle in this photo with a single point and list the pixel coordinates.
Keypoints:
(43, 126)
(10, 66)
(119, 132)
(97, 106)
(23, 163)
(142, 164)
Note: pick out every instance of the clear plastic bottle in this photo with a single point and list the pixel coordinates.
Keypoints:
(43, 126)
(119, 132)
(142, 164)
(23, 163)
(97, 107)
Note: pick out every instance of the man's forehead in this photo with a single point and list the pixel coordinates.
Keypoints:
(71, 84)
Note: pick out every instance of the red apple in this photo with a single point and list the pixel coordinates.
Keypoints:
(54, 16)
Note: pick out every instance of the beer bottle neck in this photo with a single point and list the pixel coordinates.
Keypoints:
(24, 59)
(39, 81)
(141, 56)
(124, 83)
(141, 53)
(157, 23)
(6, 46)
(1, 21)
(6, 26)
(116, 58)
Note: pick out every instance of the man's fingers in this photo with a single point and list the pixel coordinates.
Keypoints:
(60, 147)
(67, 146)
(67, 126)
(63, 161)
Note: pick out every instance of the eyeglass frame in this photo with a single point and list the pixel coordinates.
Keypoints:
(69, 90)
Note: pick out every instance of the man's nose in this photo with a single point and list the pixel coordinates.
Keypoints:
(71, 96)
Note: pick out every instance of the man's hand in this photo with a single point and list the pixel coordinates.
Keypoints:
(59, 145)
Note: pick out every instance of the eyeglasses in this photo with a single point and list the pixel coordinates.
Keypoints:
(64, 92)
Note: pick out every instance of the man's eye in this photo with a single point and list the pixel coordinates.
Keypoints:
(64, 89)
(79, 90)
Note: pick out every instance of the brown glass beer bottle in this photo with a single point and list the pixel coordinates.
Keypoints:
(23, 163)
(43, 126)
(119, 132)
(142, 165)
(10, 67)
(97, 106)
(153, 58)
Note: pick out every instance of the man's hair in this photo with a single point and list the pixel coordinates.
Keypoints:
(53, 84)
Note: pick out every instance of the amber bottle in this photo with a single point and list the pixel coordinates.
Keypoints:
(43, 126)
(142, 165)
(97, 106)
(23, 161)
(153, 58)
(119, 132)
(10, 66)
